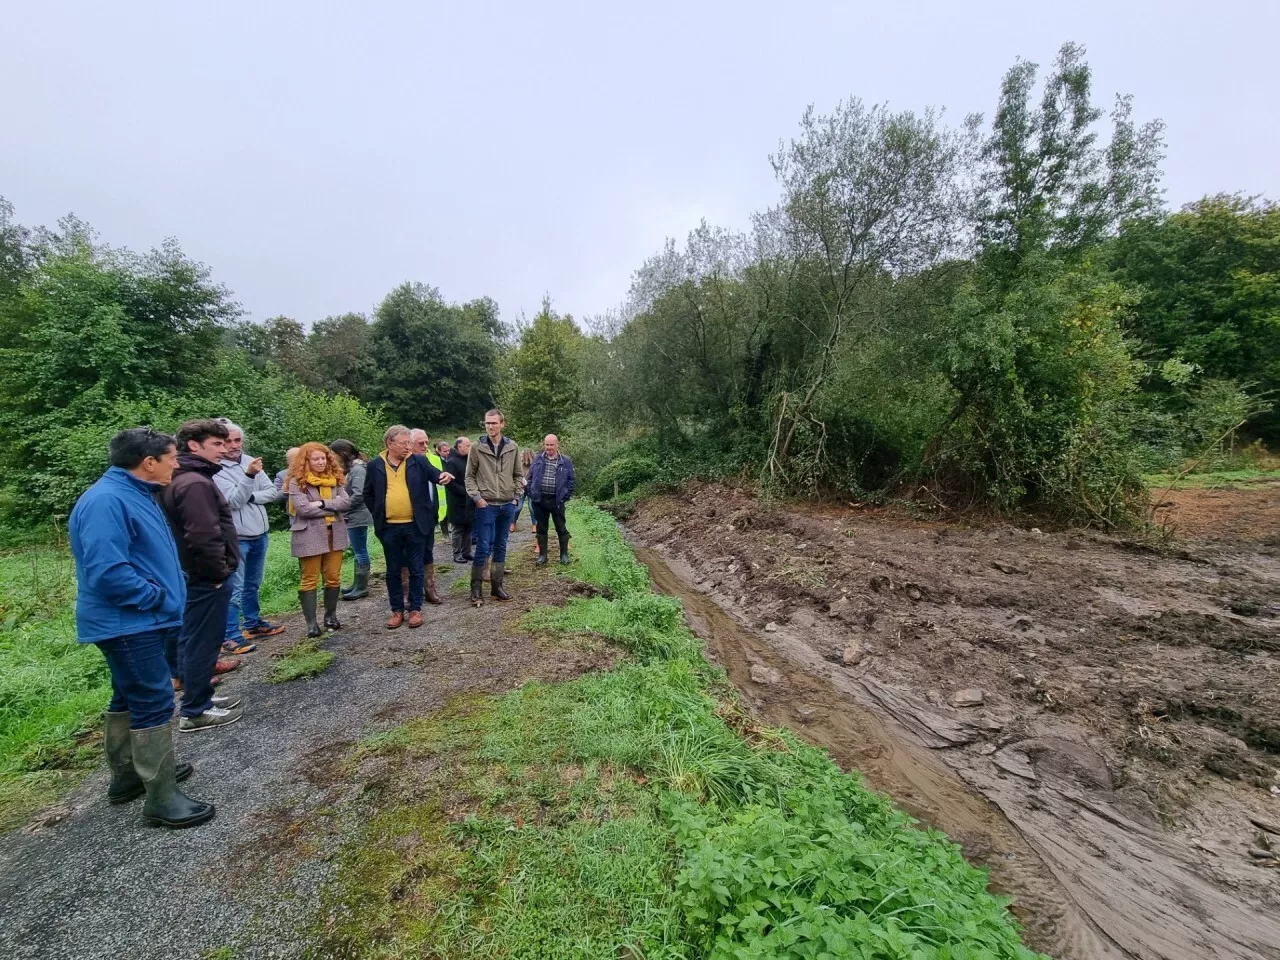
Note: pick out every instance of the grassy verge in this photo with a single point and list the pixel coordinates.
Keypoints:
(637, 813)
(52, 689)
(1158, 482)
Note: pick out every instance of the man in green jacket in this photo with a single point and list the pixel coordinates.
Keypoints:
(495, 481)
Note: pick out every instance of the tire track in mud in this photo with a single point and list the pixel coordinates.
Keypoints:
(1085, 881)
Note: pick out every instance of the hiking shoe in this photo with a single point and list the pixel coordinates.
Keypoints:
(415, 619)
(213, 717)
(225, 665)
(264, 629)
(238, 648)
(229, 702)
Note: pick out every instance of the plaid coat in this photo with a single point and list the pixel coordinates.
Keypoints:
(309, 532)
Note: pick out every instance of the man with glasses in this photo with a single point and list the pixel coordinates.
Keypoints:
(399, 490)
(248, 490)
(495, 481)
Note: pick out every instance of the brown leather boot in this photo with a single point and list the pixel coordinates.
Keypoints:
(415, 619)
(432, 595)
(395, 620)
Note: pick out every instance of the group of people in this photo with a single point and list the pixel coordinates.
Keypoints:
(170, 549)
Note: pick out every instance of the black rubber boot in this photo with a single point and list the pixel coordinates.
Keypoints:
(477, 595)
(542, 550)
(564, 549)
(126, 785)
(307, 598)
(496, 575)
(166, 805)
(331, 608)
(360, 588)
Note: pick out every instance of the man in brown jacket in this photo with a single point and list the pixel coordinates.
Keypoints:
(495, 481)
(209, 549)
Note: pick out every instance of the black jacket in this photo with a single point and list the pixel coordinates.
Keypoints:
(420, 477)
(200, 517)
(461, 508)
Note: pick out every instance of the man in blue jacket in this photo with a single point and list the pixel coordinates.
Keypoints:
(130, 599)
(550, 485)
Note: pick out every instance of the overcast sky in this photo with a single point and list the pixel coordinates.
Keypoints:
(316, 154)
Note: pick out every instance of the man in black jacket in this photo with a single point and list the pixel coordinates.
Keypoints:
(462, 512)
(209, 549)
(399, 490)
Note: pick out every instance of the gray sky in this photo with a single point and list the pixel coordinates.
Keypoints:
(316, 154)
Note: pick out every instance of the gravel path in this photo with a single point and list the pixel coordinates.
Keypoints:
(98, 885)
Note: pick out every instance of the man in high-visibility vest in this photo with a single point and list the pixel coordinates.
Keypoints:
(422, 444)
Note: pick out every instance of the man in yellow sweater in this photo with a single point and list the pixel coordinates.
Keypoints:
(400, 491)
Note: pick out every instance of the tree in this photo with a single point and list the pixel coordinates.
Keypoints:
(540, 384)
(436, 363)
(1209, 292)
(343, 347)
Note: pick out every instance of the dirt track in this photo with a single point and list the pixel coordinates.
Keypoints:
(87, 881)
(1128, 737)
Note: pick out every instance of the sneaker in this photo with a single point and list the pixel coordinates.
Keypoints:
(225, 665)
(238, 647)
(213, 717)
(265, 628)
(229, 702)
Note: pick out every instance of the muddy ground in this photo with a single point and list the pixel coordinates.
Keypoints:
(1095, 719)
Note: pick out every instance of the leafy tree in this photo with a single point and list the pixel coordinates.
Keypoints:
(435, 362)
(1209, 283)
(341, 347)
(540, 385)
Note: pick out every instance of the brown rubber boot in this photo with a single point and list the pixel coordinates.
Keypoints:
(432, 595)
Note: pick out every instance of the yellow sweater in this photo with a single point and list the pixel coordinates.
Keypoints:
(399, 506)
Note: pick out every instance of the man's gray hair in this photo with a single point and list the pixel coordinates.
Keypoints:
(393, 432)
(418, 430)
(231, 427)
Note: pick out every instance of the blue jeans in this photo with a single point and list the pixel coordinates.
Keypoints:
(245, 585)
(492, 527)
(140, 679)
(359, 537)
(405, 546)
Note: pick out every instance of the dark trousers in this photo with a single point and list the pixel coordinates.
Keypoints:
(203, 626)
(461, 541)
(405, 547)
(140, 679)
(544, 510)
(492, 526)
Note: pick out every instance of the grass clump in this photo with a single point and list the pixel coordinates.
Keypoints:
(639, 813)
(303, 659)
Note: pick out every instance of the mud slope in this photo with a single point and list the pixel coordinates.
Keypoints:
(1125, 741)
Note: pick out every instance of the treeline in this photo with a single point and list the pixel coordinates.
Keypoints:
(93, 339)
(994, 313)
(1000, 314)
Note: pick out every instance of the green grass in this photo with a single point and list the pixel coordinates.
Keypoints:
(303, 659)
(1216, 479)
(638, 813)
(53, 690)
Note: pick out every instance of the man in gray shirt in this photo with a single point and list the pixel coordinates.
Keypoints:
(248, 490)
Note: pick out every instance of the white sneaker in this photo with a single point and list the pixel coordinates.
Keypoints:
(213, 717)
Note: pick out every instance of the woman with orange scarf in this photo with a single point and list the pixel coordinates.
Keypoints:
(317, 502)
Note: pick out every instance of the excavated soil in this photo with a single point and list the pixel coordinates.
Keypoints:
(1095, 720)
